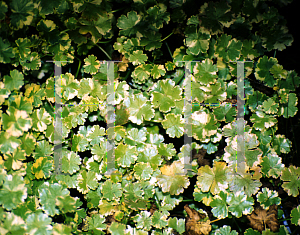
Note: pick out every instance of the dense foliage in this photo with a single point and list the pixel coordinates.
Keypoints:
(151, 39)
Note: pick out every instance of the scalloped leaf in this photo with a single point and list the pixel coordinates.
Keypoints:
(171, 179)
(291, 178)
(214, 179)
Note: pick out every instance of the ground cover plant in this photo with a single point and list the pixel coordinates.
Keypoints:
(155, 45)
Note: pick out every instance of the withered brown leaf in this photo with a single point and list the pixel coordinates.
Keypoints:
(261, 218)
(200, 156)
(193, 225)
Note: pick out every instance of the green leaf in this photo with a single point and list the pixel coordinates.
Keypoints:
(13, 224)
(28, 143)
(35, 94)
(143, 220)
(14, 81)
(171, 179)
(177, 224)
(6, 52)
(49, 31)
(151, 41)
(213, 179)
(245, 183)
(217, 93)
(142, 171)
(215, 15)
(99, 151)
(86, 181)
(267, 197)
(240, 204)
(125, 155)
(137, 57)
(31, 61)
(158, 71)
(66, 203)
(69, 86)
(173, 124)
(150, 155)
(4, 93)
(278, 72)
(263, 70)
(204, 197)
(141, 73)
(21, 13)
(139, 108)
(248, 50)
(197, 40)
(98, 27)
(227, 48)
(13, 192)
(70, 163)
(295, 214)
(96, 223)
(164, 94)
(43, 149)
(270, 106)
(40, 120)
(14, 160)
(167, 150)
(203, 125)
(225, 230)
(170, 66)
(291, 82)
(205, 72)
(133, 192)
(159, 219)
(111, 191)
(157, 15)
(3, 7)
(262, 121)
(126, 24)
(8, 143)
(49, 193)
(61, 229)
(95, 133)
(48, 8)
(291, 176)
(288, 107)
(219, 205)
(91, 64)
(281, 144)
(23, 103)
(117, 228)
(16, 122)
(39, 224)
(225, 113)
(271, 165)
(79, 143)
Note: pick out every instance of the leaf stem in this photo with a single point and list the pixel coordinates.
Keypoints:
(295, 231)
(169, 50)
(284, 219)
(105, 41)
(103, 51)
(78, 69)
(214, 220)
(166, 37)
(237, 224)
(156, 200)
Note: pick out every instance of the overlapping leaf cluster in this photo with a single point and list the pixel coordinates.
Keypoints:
(149, 97)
